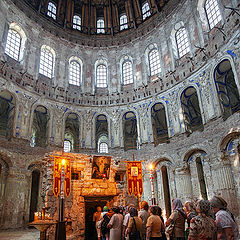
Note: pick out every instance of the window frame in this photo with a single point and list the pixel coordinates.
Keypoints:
(76, 26)
(123, 25)
(207, 14)
(50, 12)
(70, 145)
(147, 13)
(179, 44)
(99, 147)
(70, 81)
(150, 68)
(97, 67)
(100, 30)
(124, 82)
(50, 50)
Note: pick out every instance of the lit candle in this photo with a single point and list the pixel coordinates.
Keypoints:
(35, 216)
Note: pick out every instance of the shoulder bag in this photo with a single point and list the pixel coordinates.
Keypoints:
(136, 234)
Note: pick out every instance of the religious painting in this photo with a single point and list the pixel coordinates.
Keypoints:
(134, 171)
(101, 167)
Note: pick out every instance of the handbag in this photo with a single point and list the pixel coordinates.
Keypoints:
(134, 235)
(170, 229)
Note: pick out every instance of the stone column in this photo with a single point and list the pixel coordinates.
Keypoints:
(183, 183)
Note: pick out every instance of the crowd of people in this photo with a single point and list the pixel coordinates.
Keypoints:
(204, 220)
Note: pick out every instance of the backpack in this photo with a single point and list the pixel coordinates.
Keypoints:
(106, 220)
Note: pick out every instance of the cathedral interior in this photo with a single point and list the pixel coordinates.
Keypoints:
(156, 81)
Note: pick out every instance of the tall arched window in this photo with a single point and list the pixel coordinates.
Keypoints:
(103, 147)
(77, 22)
(123, 22)
(52, 10)
(145, 11)
(101, 76)
(159, 123)
(13, 44)
(213, 13)
(191, 110)
(101, 133)
(154, 62)
(74, 73)
(130, 131)
(182, 42)
(226, 88)
(67, 146)
(100, 26)
(127, 73)
(46, 61)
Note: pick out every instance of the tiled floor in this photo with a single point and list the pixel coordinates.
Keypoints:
(23, 234)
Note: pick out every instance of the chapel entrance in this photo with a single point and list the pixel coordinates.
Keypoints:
(91, 204)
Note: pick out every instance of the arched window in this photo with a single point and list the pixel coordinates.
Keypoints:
(182, 42)
(103, 147)
(123, 22)
(127, 73)
(154, 62)
(72, 126)
(52, 10)
(67, 146)
(130, 131)
(46, 61)
(191, 110)
(212, 12)
(74, 73)
(100, 26)
(13, 44)
(40, 127)
(101, 76)
(226, 88)
(159, 123)
(145, 11)
(101, 133)
(77, 22)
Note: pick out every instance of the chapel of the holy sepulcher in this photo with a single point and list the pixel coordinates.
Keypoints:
(90, 86)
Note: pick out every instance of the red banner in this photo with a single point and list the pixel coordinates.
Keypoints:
(59, 162)
(134, 178)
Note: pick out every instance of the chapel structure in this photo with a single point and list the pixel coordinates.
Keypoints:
(156, 81)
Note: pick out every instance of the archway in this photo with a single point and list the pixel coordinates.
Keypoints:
(34, 194)
(191, 110)
(166, 191)
(7, 106)
(129, 131)
(226, 88)
(159, 123)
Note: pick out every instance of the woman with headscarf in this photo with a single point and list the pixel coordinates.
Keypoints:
(115, 225)
(202, 227)
(227, 228)
(177, 217)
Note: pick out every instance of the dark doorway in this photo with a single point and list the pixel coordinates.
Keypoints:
(166, 191)
(201, 179)
(34, 194)
(91, 204)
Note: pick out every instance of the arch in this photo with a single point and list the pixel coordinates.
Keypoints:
(159, 123)
(191, 110)
(72, 130)
(75, 71)
(101, 73)
(227, 139)
(40, 126)
(47, 61)
(130, 134)
(227, 89)
(16, 41)
(101, 130)
(7, 113)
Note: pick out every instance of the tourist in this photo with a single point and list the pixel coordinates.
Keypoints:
(125, 221)
(202, 226)
(191, 213)
(106, 219)
(159, 213)
(154, 225)
(177, 218)
(227, 228)
(144, 215)
(115, 225)
(134, 225)
(96, 218)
